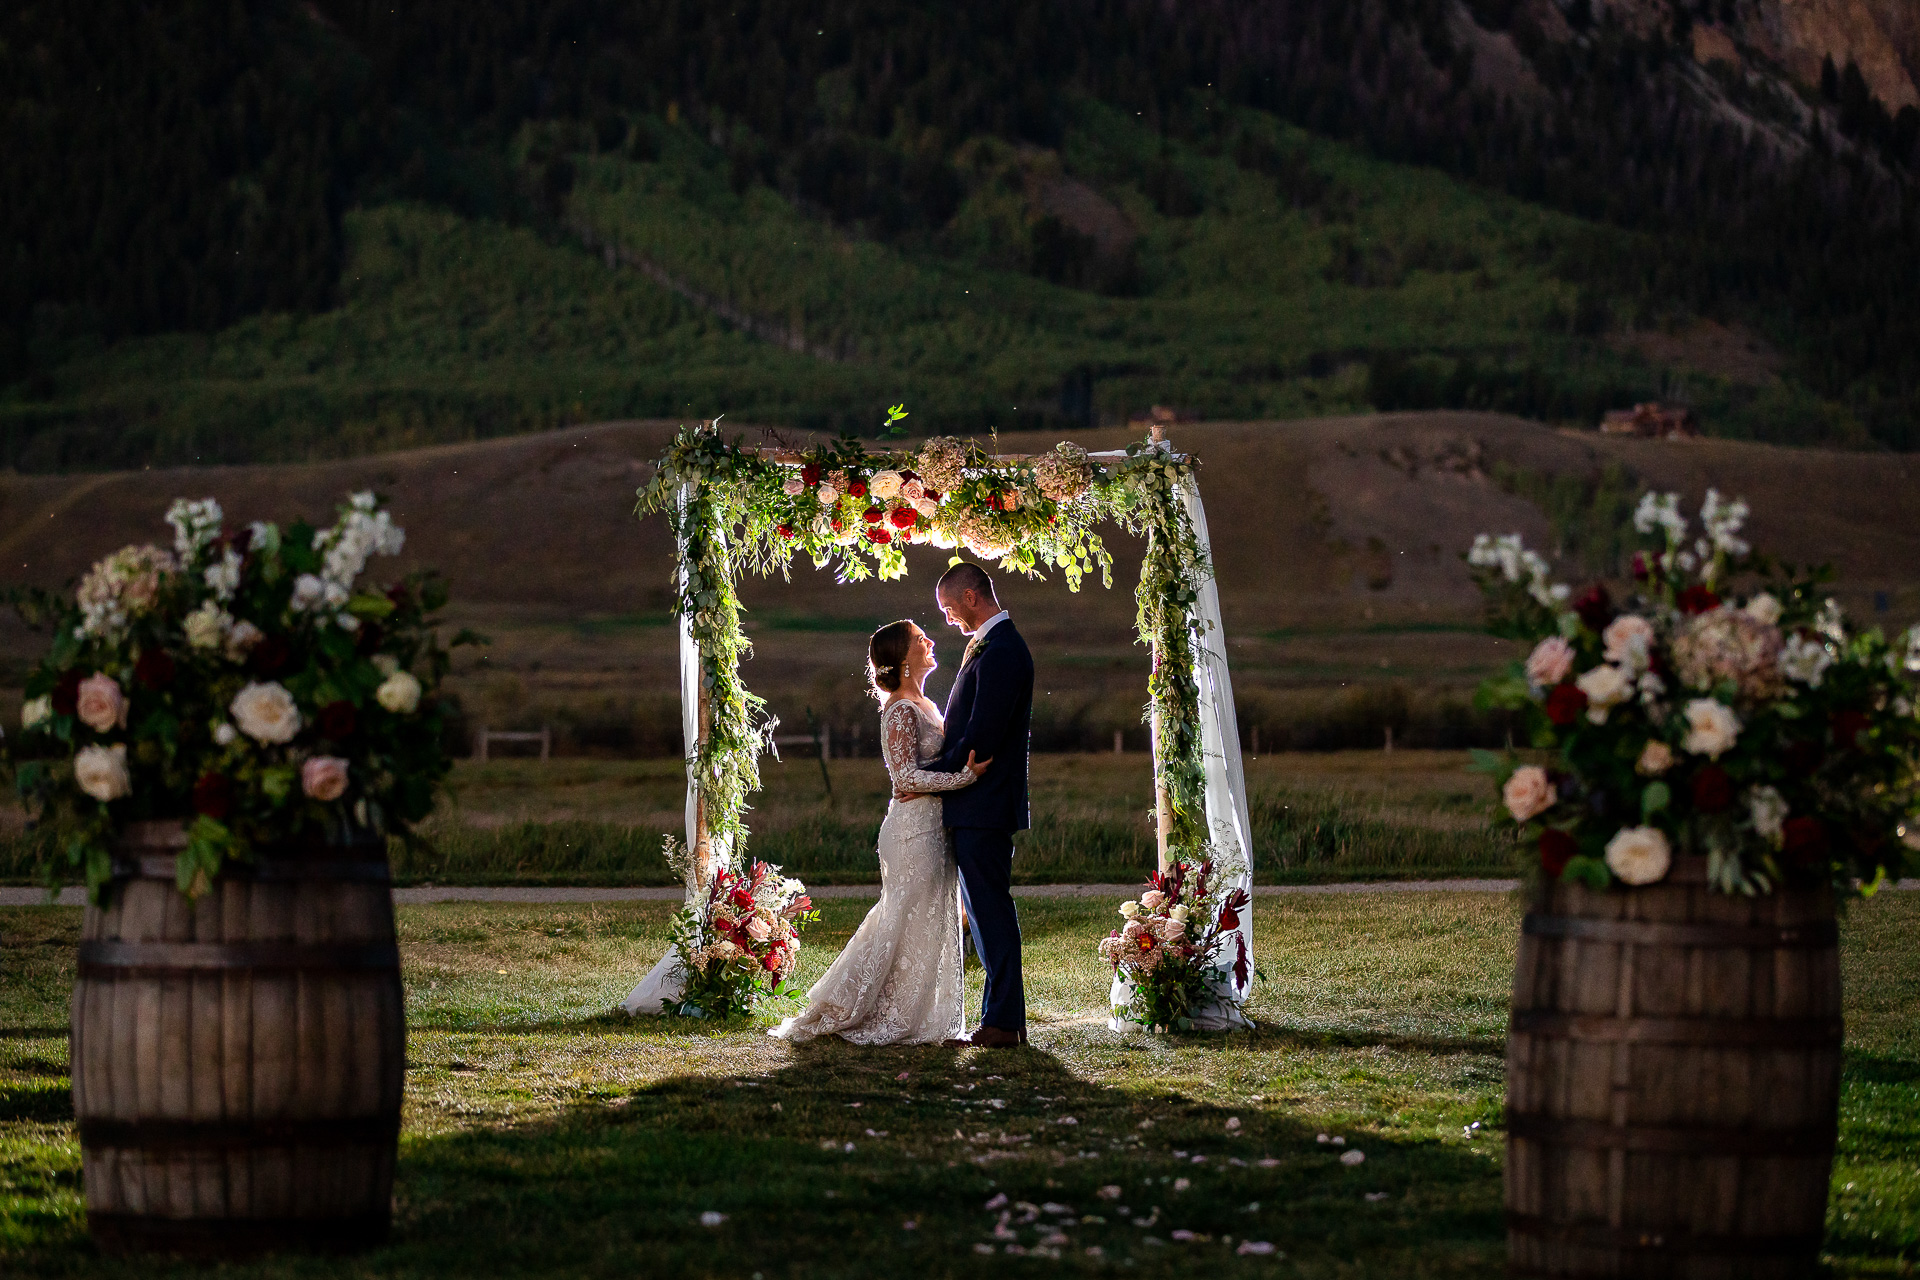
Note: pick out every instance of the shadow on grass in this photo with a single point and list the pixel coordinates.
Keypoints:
(883, 1162)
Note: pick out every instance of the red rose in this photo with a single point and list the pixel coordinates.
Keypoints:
(1565, 704)
(1712, 789)
(337, 720)
(155, 669)
(1594, 607)
(837, 526)
(858, 488)
(1804, 840)
(1557, 849)
(810, 474)
(880, 536)
(907, 473)
(904, 517)
(932, 496)
(772, 962)
(213, 796)
(1847, 728)
(743, 899)
(66, 693)
(873, 515)
(1698, 599)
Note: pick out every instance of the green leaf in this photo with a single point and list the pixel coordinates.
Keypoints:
(277, 782)
(373, 607)
(1657, 796)
(1496, 764)
(1591, 872)
(1502, 693)
(1787, 710)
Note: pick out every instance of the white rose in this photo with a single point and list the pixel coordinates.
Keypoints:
(400, 693)
(241, 639)
(1629, 639)
(224, 734)
(1130, 909)
(926, 507)
(1528, 793)
(1805, 661)
(102, 772)
(1639, 855)
(34, 710)
(1764, 609)
(266, 713)
(1655, 759)
(1768, 809)
(827, 494)
(207, 626)
(100, 704)
(1711, 728)
(1606, 687)
(1180, 913)
(884, 484)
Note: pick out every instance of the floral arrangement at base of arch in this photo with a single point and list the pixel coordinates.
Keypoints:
(741, 942)
(246, 683)
(1724, 709)
(1180, 945)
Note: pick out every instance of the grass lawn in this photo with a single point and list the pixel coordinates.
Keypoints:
(545, 1137)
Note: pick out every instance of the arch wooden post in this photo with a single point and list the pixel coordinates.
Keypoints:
(1162, 802)
(702, 838)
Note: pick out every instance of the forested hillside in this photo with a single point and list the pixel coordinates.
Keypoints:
(1009, 212)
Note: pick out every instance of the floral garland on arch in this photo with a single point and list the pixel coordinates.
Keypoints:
(1756, 728)
(854, 507)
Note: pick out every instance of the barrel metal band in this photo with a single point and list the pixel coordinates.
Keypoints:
(1655, 933)
(1600, 1028)
(185, 1136)
(163, 867)
(1691, 1140)
(111, 959)
(1599, 1235)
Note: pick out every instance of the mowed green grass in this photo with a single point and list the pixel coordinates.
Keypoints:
(546, 1137)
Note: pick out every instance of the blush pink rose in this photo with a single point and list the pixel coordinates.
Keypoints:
(759, 930)
(324, 777)
(100, 704)
(1550, 662)
(1528, 792)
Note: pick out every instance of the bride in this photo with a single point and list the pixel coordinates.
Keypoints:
(900, 980)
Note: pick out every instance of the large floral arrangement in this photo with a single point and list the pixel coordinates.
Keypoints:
(247, 683)
(855, 507)
(1179, 946)
(740, 942)
(1724, 709)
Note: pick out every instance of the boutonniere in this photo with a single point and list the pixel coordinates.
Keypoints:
(974, 646)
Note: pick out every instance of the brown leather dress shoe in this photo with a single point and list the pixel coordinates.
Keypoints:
(996, 1038)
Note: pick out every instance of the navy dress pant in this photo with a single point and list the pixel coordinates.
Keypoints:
(986, 887)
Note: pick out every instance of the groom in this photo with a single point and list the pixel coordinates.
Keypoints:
(989, 712)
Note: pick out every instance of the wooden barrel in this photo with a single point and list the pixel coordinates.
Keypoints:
(238, 1061)
(1673, 1082)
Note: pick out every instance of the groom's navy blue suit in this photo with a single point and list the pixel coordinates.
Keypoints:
(990, 713)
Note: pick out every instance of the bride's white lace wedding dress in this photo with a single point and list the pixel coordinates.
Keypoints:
(900, 980)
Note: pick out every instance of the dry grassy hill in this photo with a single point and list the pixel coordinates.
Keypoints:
(1337, 541)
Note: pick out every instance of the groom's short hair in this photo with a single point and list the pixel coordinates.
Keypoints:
(965, 577)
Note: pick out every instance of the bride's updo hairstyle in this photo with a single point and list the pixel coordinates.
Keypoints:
(887, 657)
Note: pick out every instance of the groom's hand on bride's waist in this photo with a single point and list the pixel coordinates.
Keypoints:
(904, 796)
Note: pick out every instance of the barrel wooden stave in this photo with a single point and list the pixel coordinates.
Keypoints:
(294, 1076)
(1580, 1209)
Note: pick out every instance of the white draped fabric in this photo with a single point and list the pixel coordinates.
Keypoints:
(1226, 795)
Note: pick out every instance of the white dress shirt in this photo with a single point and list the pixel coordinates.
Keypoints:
(980, 631)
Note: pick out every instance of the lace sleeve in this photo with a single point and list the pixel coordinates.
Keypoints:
(900, 745)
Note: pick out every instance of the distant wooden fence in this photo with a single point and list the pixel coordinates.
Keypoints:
(484, 737)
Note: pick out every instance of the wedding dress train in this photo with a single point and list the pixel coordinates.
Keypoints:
(900, 979)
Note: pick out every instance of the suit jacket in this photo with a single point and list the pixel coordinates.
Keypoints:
(990, 712)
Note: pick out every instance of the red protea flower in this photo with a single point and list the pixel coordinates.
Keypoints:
(1557, 849)
(213, 796)
(1565, 704)
(1698, 599)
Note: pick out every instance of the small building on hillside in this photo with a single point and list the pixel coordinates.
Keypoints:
(1653, 421)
